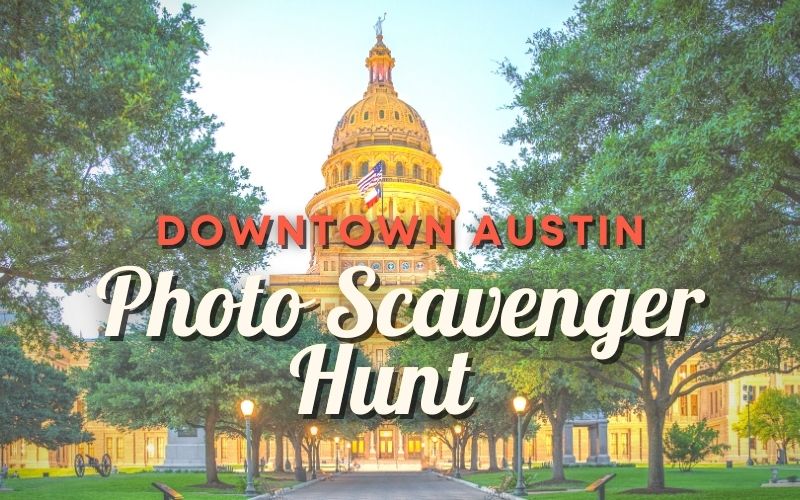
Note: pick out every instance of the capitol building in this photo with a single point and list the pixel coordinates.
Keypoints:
(381, 127)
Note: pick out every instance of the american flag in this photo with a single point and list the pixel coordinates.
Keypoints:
(372, 179)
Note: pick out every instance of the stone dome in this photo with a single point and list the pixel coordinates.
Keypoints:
(381, 117)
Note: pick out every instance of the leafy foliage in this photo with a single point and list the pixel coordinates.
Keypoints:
(689, 445)
(36, 400)
(773, 416)
(687, 115)
(98, 136)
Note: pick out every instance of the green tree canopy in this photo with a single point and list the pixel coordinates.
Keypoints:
(686, 114)
(98, 136)
(36, 400)
(773, 416)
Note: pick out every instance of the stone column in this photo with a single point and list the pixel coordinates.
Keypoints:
(569, 455)
(371, 445)
(592, 458)
(602, 439)
(400, 452)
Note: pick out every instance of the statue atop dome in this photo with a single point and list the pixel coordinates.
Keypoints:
(379, 25)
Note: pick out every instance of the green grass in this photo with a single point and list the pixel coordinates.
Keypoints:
(130, 486)
(710, 482)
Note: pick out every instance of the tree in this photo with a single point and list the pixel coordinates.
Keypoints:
(98, 137)
(686, 115)
(689, 445)
(773, 416)
(36, 400)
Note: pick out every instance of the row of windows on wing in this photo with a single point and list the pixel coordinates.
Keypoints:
(346, 173)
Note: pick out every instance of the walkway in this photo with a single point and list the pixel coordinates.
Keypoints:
(387, 486)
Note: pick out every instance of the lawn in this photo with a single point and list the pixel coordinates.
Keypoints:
(131, 486)
(710, 483)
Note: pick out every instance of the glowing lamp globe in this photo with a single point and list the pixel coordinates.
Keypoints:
(520, 403)
(247, 407)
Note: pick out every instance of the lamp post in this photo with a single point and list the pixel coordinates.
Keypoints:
(520, 403)
(314, 430)
(748, 396)
(434, 440)
(348, 447)
(247, 410)
(336, 442)
(457, 430)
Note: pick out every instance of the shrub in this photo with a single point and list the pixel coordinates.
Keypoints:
(689, 445)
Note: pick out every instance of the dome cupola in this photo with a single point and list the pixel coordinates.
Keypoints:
(380, 118)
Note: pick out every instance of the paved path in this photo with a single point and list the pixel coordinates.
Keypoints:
(386, 486)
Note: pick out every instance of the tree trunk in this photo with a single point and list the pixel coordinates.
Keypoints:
(316, 457)
(558, 448)
(299, 471)
(473, 452)
(454, 458)
(655, 444)
(279, 452)
(210, 427)
(492, 452)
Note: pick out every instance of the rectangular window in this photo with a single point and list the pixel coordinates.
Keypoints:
(379, 357)
(150, 446)
(160, 447)
(90, 449)
(357, 446)
(120, 448)
(695, 405)
(684, 406)
(110, 446)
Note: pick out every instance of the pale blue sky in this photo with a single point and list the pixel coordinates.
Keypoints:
(281, 73)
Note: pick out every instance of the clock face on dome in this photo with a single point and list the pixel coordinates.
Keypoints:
(376, 266)
(420, 265)
(405, 266)
(390, 266)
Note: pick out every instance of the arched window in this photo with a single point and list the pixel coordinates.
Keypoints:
(364, 169)
(348, 172)
(335, 176)
(396, 115)
(417, 172)
(366, 115)
(399, 169)
(381, 114)
(352, 118)
(428, 175)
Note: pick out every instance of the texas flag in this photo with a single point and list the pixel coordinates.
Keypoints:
(370, 184)
(372, 195)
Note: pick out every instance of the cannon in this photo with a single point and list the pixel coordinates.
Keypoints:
(102, 466)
